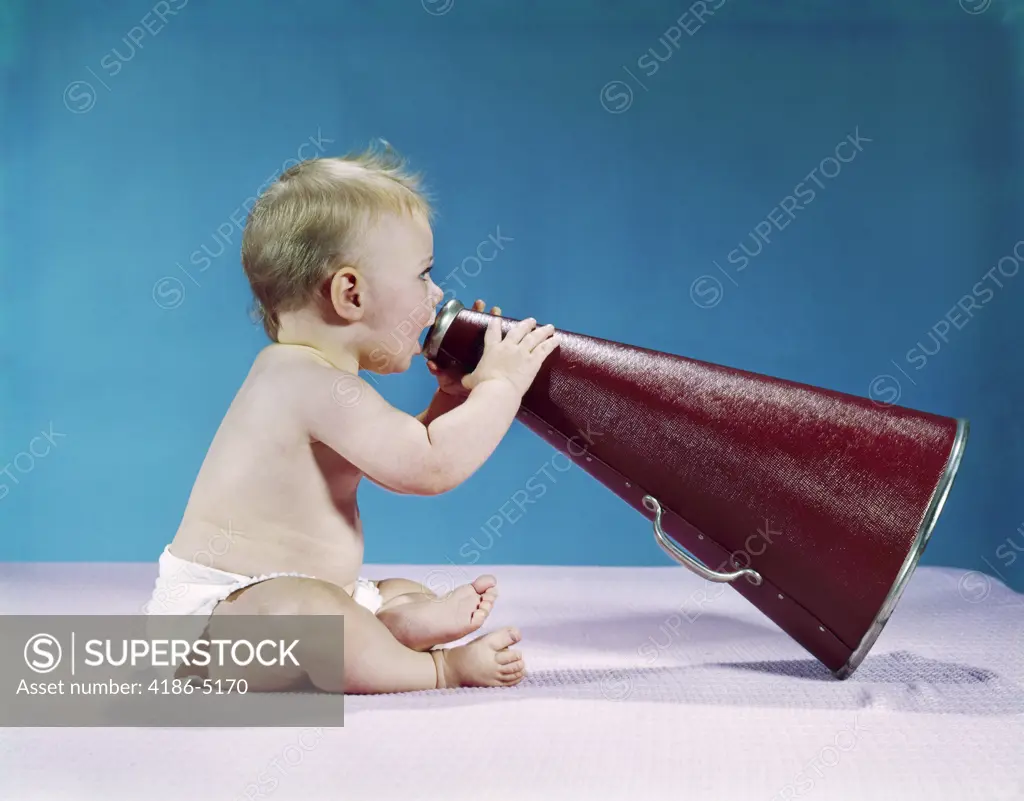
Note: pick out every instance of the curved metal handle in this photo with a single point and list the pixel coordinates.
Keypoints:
(688, 561)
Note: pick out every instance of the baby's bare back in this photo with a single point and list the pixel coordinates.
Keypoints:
(268, 497)
(277, 490)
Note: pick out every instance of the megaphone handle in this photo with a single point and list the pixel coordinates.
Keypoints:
(685, 559)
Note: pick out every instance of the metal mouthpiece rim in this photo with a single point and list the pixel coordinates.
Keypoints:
(435, 336)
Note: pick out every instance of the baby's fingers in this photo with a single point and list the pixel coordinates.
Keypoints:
(520, 330)
(493, 333)
(544, 349)
(535, 337)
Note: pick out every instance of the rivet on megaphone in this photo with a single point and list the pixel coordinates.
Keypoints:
(628, 484)
(780, 596)
(821, 628)
(700, 536)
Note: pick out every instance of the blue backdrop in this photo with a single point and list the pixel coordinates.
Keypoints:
(639, 166)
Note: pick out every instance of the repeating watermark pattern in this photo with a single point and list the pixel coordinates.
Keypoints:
(886, 389)
(975, 6)
(39, 447)
(486, 251)
(829, 757)
(1008, 552)
(347, 390)
(616, 684)
(291, 756)
(1020, 637)
(442, 581)
(167, 592)
(80, 95)
(693, 607)
(1010, 11)
(437, 8)
(707, 290)
(975, 586)
(169, 292)
(617, 95)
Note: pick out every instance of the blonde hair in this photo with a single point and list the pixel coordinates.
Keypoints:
(310, 220)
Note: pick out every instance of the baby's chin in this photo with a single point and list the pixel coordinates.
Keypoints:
(399, 363)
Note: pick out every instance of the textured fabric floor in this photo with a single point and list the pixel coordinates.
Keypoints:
(643, 682)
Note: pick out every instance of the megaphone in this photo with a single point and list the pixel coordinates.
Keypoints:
(814, 505)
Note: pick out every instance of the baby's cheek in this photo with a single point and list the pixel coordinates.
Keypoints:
(421, 312)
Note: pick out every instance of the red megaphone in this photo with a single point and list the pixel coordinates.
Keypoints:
(815, 505)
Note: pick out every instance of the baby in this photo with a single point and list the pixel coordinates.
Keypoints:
(338, 253)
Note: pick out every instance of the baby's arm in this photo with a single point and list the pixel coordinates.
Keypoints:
(399, 452)
(441, 403)
(396, 450)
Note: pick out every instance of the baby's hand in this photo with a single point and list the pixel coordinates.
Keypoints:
(515, 359)
(450, 379)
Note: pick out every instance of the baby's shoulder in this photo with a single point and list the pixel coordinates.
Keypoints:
(294, 372)
(296, 383)
(286, 366)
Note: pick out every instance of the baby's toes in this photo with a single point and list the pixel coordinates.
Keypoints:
(502, 639)
(508, 657)
(479, 616)
(490, 595)
(512, 678)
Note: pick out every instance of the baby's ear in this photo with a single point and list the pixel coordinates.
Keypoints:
(346, 293)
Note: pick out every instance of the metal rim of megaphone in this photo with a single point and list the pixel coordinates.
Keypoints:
(435, 336)
(924, 533)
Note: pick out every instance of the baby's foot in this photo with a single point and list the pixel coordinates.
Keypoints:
(484, 662)
(423, 624)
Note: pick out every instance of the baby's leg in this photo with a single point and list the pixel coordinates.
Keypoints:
(397, 591)
(374, 661)
(421, 620)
